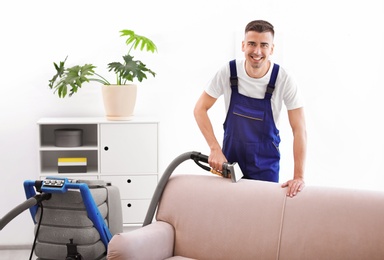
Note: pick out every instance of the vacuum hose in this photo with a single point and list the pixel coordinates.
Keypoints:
(32, 201)
(196, 156)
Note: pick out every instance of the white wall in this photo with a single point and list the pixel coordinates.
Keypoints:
(334, 49)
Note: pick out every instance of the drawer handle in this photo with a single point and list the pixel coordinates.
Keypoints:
(129, 181)
(106, 148)
(129, 205)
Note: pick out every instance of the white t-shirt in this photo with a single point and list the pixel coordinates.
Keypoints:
(285, 88)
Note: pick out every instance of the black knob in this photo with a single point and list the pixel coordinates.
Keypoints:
(106, 148)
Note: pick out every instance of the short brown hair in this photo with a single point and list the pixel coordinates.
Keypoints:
(260, 26)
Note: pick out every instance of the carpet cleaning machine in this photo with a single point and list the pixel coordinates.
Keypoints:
(74, 219)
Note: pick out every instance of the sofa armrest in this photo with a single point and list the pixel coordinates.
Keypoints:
(154, 241)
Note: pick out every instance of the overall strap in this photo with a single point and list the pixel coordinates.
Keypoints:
(272, 81)
(233, 79)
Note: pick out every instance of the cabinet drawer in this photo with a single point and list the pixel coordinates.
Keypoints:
(134, 186)
(134, 211)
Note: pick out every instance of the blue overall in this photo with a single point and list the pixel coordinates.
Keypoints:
(250, 135)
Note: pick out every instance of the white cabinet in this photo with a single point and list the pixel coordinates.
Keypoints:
(124, 153)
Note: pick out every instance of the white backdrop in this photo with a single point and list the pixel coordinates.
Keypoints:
(334, 49)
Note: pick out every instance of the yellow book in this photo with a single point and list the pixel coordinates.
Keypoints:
(72, 161)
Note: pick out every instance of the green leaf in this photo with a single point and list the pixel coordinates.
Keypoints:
(135, 40)
(71, 78)
(130, 69)
(59, 72)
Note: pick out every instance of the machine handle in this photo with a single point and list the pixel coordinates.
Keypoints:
(198, 157)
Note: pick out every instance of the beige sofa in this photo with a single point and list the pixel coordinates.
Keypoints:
(209, 217)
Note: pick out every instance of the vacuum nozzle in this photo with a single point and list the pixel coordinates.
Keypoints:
(233, 171)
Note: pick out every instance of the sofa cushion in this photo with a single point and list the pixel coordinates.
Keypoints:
(214, 218)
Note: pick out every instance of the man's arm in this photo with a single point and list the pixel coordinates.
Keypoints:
(297, 122)
(216, 157)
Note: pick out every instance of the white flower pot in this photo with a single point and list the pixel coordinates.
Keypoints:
(119, 101)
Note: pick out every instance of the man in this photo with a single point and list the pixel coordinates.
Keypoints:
(254, 90)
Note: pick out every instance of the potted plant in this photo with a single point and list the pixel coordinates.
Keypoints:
(67, 81)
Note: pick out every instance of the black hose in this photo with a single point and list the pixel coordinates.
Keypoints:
(37, 230)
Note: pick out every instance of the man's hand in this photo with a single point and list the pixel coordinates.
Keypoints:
(294, 186)
(216, 160)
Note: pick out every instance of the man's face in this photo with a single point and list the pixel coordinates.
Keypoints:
(257, 48)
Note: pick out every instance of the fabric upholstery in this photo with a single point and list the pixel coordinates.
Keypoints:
(333, 223)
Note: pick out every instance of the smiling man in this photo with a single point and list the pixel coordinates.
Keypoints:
(254, 91)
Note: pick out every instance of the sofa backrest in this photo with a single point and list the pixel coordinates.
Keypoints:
(214, 218)
(333, 223)
(217, 219)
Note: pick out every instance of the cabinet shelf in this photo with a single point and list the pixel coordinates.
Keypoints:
(47, 147)
(51, 170)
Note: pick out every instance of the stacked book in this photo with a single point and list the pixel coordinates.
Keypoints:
(72, 165)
